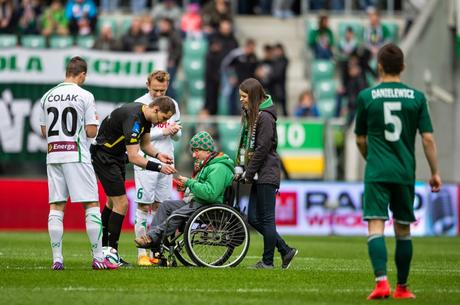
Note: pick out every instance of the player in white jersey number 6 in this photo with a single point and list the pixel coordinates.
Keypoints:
(152, 188)
(67, 122)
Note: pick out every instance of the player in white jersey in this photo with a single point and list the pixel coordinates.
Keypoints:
(152, 188)
(68, 121)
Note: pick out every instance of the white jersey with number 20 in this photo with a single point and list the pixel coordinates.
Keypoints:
(67, 108)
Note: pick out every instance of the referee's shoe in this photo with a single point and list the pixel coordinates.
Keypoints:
(123, 263)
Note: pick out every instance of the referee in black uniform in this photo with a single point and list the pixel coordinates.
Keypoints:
(121, 134)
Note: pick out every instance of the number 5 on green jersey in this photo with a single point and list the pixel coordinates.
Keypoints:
(390, 118)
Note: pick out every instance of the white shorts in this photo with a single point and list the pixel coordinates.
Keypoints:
(152, 186)
(76, 180)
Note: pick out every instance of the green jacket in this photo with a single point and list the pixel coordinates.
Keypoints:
(209, 185)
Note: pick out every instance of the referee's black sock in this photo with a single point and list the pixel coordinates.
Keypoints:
(115, 223)
(105, 215)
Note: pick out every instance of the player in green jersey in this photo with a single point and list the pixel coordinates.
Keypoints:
(387, 120)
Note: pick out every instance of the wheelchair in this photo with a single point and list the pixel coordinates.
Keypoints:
(214, 236)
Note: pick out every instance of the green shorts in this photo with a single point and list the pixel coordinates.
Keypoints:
(379, 195)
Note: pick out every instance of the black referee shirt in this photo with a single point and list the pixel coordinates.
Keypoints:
(124, 126)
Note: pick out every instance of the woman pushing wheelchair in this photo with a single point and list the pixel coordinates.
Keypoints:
(259, 164)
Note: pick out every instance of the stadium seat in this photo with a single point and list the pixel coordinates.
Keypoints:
(229, 137)
(33, 41)
(125, 25)
(8, 41)
(230, 147)
(326, 108)
(194, 105)
(357, 26)
(223, 108)
(193, 68)
(195, 48)
(229, 130)
(61, 42)
(85, 42)
(322, 70)
(325, 90)
(195, 87)
(393, 28)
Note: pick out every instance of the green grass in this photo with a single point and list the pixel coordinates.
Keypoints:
(328, 270)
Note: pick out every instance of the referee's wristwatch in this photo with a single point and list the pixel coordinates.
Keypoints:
(160, 166)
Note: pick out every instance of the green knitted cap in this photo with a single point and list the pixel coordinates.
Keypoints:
(202, 141)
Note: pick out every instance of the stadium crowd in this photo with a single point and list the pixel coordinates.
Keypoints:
(167, 25)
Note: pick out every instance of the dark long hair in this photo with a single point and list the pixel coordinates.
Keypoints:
(256, 96)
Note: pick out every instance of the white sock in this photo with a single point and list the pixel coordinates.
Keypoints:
(94, 231)
(56, 232)
(140, 228)
(381, 278)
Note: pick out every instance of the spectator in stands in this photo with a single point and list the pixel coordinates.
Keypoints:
(264, 70)
(334, 5)
(271, 72)
(109, 6)
(138, 6)
(245, 63)
(54, 20)
(82, 15)
(213, 12)
(239, 65)
(7, 20)
(167, 9)
(28, 17)
(105, 40)
(135, 40)
(225, 36)
(356, 82)
(191, 20)
(170, 41)
(212, 76)
(366, 4)
(347, 46)
(375, 34)
(282, 8)
(306, 105)
(321, 40)
(280, 65)
(148, 29)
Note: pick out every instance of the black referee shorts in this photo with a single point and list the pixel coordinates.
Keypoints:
(110, 170)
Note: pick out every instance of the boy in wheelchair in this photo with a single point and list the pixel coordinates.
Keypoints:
(212, 174)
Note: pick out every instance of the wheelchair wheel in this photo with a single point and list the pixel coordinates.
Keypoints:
(181, 253)
(216, 236)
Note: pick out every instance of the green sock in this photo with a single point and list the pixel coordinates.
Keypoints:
(378, 254)
(403, 257)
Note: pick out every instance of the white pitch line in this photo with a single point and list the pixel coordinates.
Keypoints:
(229, 290)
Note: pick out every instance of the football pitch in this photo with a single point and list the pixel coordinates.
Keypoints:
(327, 270)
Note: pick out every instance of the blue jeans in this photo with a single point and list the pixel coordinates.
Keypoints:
(138, 6)
(109, 5)
(261, 216)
